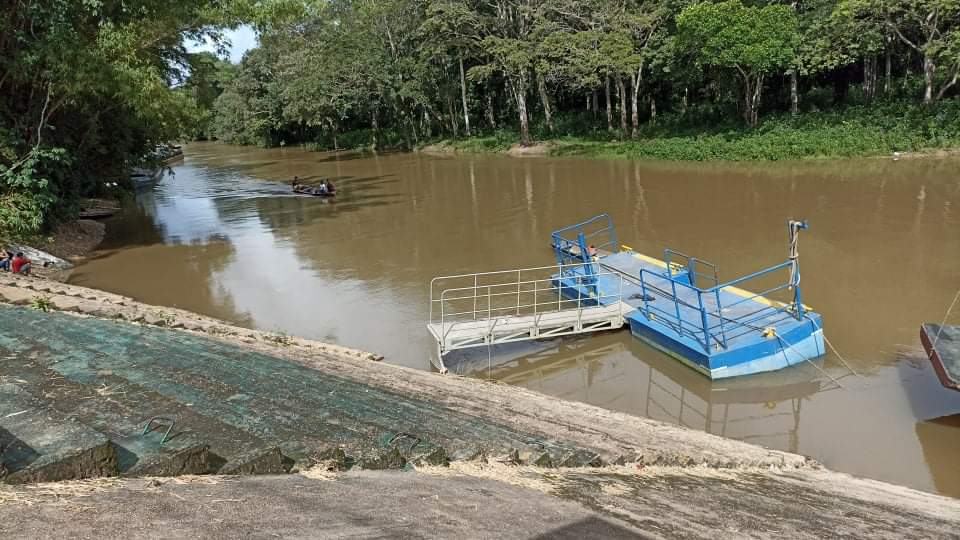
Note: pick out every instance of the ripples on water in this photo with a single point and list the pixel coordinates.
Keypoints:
(225, 237)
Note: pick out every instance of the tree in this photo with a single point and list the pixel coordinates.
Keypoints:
(452, 30)
(754, 41)
(929, 27)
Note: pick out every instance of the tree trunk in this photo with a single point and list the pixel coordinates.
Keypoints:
(463, 96)
(622, 89)
(929, 69)
(453, 117)
(653, 109)
(375, 127)
(869, 79)
(596, 104)
(684, 103)
(635, 112)
(609, 106)
(752, 87)
(887, 74)
(794, 95)
(520, 96)
(545, 100)
(491, 117)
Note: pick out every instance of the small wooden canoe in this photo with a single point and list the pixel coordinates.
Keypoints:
(942, 344)
(315, 192)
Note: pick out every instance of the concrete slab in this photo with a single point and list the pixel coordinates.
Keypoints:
(38, 444)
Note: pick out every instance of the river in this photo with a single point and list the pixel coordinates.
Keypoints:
(224, 237)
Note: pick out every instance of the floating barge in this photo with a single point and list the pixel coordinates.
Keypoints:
(676, 305)
(942, 344)
(682, 309)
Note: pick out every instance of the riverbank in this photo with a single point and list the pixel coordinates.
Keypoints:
(854, 132)
(247, 402)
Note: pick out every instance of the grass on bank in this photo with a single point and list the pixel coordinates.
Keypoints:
(854, 131)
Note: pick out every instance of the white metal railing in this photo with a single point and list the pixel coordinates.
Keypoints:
(496, 296)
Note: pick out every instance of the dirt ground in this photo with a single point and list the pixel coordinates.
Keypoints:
(473, 501)
(73, 241)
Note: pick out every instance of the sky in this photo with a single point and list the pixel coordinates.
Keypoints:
(241, 40)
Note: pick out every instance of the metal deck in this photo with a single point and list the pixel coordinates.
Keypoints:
(490, 308)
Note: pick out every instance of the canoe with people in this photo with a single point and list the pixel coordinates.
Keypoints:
(325, 189)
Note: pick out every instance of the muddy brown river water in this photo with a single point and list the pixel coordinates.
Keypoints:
(224, 237)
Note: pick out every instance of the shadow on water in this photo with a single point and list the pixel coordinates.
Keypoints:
(603, 371)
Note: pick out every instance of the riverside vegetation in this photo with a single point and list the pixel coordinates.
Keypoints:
(91, 86)
(661, 79)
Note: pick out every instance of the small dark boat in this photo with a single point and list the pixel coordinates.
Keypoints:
(942, 344)
(315, 192)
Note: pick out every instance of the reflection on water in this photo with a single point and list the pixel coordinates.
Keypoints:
(225, 237)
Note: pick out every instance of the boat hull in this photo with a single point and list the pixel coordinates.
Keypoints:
(757, 356)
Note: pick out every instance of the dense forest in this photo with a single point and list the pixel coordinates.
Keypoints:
(398, 73)
(89, 87)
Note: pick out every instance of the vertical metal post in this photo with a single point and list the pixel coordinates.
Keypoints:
(560, 289)
(588, 269)
(518, 293)
(615, 247)
(643, 294)
(676, 305)
(579, 305)
(536, 287)
(795, 227)
(489, 310)
(723, 333)
(692, 270)
(703, 322)
(475, 282)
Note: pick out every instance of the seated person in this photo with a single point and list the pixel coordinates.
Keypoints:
(323, 187)
(5, 258)
(330, 187)
(21, 264)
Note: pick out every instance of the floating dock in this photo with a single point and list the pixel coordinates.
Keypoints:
(676, 304)
(942, 344)
(682, 308)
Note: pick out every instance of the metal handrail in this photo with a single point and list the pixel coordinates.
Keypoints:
(715, 332)
(483, 296)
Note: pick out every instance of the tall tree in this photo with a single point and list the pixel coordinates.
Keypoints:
(754, 41)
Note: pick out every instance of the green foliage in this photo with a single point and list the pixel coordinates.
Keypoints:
(42, 303)
(857, 131)
(351, 74)
(732, 35)
(86, 90)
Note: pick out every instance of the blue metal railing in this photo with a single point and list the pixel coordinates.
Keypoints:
(572, 243)
(698, 313)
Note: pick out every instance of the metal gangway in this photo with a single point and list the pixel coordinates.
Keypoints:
(490, 308)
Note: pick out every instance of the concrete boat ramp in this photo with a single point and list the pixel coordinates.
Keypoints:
(77, 390)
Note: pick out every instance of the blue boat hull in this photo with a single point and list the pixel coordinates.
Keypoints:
(800, 344)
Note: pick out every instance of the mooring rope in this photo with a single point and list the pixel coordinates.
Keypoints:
(832, 348)
(785, 342)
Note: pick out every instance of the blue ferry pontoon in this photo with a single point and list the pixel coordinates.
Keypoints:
(681, 308)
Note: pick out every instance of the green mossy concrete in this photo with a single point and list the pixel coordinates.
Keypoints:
(41, 445)
(237, 410)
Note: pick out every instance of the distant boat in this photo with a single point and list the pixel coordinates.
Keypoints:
(315, 192)
(942, 344)
(142, 177)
